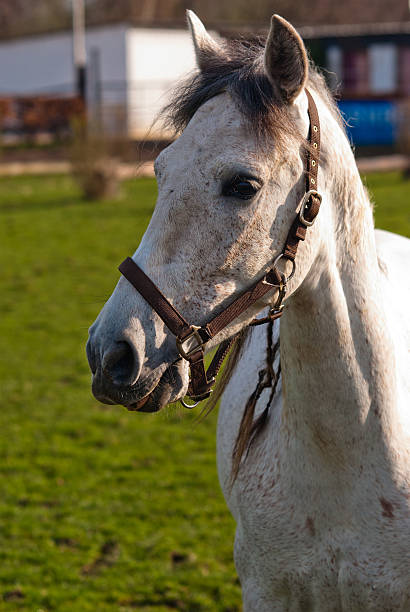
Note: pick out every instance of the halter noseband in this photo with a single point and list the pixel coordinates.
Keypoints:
(191, 339)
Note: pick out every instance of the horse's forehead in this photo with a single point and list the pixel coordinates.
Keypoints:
(216, 125)
(219, 112)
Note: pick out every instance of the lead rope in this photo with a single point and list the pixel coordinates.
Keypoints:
(250, 428)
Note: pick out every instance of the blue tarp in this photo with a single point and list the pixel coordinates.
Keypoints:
(370, 122)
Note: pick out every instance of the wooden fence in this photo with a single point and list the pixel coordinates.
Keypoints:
(28, 116)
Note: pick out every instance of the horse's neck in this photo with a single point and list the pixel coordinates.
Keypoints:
(337, 360)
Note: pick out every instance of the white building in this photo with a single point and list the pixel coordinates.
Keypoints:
(130, 71)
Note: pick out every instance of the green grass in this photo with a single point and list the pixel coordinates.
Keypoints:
(101, 509)
(391, 196)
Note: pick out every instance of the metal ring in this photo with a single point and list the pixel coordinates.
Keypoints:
(279, 257)
(185, 405)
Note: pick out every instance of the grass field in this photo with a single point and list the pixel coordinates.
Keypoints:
(101, 509)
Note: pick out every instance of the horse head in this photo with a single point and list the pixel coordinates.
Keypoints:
(228, 190)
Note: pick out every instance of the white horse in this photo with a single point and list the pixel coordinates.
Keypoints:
(322, 496)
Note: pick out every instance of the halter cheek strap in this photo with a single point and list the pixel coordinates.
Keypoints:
(191, 339)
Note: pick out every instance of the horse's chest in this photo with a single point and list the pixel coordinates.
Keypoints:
(294, 555)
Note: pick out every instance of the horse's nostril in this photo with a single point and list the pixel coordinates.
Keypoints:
(120, 364)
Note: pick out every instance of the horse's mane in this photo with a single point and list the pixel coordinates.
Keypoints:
(239, 70)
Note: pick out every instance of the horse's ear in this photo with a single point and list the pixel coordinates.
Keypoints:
(205, 46)
(286, 61)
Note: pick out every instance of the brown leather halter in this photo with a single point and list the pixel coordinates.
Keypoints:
(191, 339)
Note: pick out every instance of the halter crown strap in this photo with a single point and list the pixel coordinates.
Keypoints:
(311, 200)
(190, 339)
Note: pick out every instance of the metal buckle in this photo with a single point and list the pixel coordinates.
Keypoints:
(194, 334)
(286, 279)
(306, 197)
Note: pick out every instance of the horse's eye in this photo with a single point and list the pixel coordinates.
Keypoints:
(241, 187)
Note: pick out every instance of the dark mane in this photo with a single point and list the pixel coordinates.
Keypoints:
(240, 72)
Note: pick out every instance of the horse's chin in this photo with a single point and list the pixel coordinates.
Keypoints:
(166, 389)
(157, 399)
